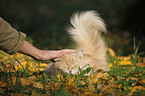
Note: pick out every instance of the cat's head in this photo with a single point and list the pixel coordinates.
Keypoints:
(71, 62)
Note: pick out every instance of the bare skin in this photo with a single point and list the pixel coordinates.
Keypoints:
(38, 54)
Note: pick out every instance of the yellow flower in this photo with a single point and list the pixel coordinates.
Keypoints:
(20, 65)
(122, 62)
(110, 65)
(125, 62)
(43, 65)
(111, 51)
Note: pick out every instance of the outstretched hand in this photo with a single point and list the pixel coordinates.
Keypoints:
(38, 54)
(47, 54)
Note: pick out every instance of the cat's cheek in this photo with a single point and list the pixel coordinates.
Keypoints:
(66, 71)
(74, 71)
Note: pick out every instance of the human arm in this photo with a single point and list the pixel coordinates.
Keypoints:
(38, 54)
(12, 41)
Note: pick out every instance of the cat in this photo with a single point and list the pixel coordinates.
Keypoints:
(85, 30)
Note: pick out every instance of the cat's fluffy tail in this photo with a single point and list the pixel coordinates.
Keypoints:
(86, 32)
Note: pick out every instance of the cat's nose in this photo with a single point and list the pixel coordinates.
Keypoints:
(74, 71)
(69, 71)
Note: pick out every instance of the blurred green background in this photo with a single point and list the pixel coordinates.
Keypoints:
(44, 21)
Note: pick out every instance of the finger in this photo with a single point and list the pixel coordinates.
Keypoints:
(56, 59)
(61, 53)
(69, 50)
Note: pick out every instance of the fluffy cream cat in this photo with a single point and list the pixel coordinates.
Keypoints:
(86, 31)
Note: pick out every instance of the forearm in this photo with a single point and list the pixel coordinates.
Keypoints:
(30, 50)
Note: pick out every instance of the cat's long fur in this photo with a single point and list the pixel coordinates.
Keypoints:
(86, 31)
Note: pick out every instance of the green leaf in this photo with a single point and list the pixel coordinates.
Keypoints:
(88, 70)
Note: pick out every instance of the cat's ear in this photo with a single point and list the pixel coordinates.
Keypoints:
(80, 53)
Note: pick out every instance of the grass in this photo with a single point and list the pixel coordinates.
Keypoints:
(21, 75)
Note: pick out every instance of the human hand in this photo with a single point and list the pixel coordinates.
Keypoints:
(38, 54)
(47, 54)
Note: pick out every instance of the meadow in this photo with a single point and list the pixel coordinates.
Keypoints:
(21, 75)
(44, 23)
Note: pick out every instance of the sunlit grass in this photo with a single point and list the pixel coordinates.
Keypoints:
(20, 74)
